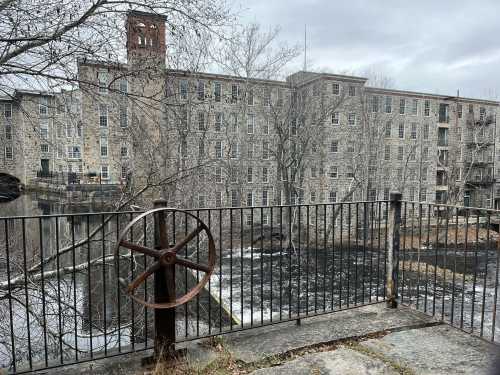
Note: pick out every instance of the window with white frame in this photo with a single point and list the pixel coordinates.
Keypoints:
(250, 175)
(265, 126)
(332, 196)
(425, 153)
(426, 131)
(69, 129)
(183, 89)
(250, 123)
(387, 152)
(413, 131)
(79, 128)
(104, 172)
(265, 150)
(414, 107)
(312, 197)
(218, 149)
(103, 115)
(8, 131)
(279, 101)
(235, 150)
(124, 151)
(459, 110)
(201, 120)
(250, 150)
(400, 152)
(352, 90)
(388, 104)
(250, 199)
(201, 201)
(184, 149)
(427, 108)
(267, 97)
(7, 110)
(201, 148)
(402, 106)
(234, 123)
(124, 172)
(482, 113)
(123, 116)
(265, 198)
(235, 201)
(123, 86)
(218, 121)
(401, 130)
(235, 90)
(74, 152)
(9, 155)
(44, 128)
(102, 77)
(314, 172)
(44, 148)
(335, 118)
(374, 103)
(104, 147)
(250, 97)
(218, 175)
(265, 175)
(335, 88)
(217, 92)
(43, 108)
(333, 172)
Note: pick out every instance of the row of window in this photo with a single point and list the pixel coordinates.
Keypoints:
(103, 115)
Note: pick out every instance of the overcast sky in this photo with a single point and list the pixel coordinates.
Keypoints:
(423, 45)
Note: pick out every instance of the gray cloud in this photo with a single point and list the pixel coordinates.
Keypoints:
(425, 45)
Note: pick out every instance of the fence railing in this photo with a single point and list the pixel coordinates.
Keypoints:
(60, 300)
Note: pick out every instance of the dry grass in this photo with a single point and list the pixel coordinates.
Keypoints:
(422, 268)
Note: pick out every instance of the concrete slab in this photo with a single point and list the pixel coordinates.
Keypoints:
(256, 344)
(341, 361)
(436, 350)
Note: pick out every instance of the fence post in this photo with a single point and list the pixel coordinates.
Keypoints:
(393, 237)
(164, 343)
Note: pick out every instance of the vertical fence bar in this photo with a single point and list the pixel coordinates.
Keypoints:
(476, 248)
(44, 314)
(26, 297)
(9, 290)
(464, 269)
(393, 249)
(483, 305)
(495, 297)
(59, 307)
(73, 273)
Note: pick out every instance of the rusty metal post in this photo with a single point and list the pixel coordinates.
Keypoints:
(393, 239)
(164, 291)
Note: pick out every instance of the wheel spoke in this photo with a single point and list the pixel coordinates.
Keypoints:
(186, 239)
(140, 249)
(192, 265)
(143, 276)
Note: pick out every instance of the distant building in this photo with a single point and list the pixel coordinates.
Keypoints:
(428, 146)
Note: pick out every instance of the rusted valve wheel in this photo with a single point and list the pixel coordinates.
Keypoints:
(165, 255)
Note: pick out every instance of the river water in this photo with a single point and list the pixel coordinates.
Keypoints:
(79, 312)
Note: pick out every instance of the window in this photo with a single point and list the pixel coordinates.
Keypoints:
(124, 172)
(201, 90)
(413, 133)
(471, 109)
(388, 126)
(426, 131)
(123, 86)
(314, 147)
(402, 106)
(124, 151)
(218, 149)
(350, 147)
(217, 92)
(218, 174)
(414, 107)
(293, 127)
(8, 131)
(235, 151)
(123, 116)
(350, 173)
(249, 174)
(423, 195)
(400, 152)
(102, 77)
(425, 153)
(351, 118)
(234, 93)
(332, 197)
(103, 115)
(8, 153)
(401, 130)
(44, 106)
(374, 104)
(482, 113)
(459, 110)
(265, 175)
(201, 120)
(184, 149)
(388, 104)
(333, 172)
(424, 174)
(267, 97)
(201, 148)
(265, 127)
(104, 147)
(387, 152)
(314, 172)
(352, 90)
(386, 194)
(104, 172)
(218, 121)
(79, 128)
(334, 146)
(335, 88)
(312, 198)
(316, 89)
(201, 201)
(234, 123)
(218, 199)
(427, 108)
(250, 150)
(265, 197)
(335, 118)
(250, 123)
(7, 110)
(44, 148)
(235, 202)
(184, 118)
(250, 199)
(279, 102)
(265, 150)
(250, 97)
(44, 128)
(74, 152)
(183, 89)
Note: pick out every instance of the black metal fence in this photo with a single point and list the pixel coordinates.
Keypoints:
(60, 300)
